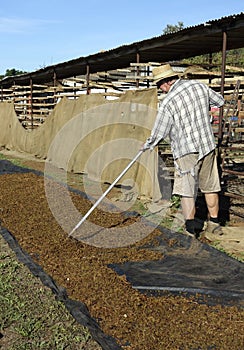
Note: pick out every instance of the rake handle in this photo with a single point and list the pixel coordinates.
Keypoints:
(106, 192)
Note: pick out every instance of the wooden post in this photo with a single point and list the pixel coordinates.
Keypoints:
(210, 61)
(137, 69)
(74, 90)
(148, 72)
(88, 90)
(224, 45)
(54, 85)
(31, 103)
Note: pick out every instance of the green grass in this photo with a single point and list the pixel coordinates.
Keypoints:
(15, 161)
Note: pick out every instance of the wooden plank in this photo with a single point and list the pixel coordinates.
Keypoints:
(16, 105)
(114, 94)
(67, 95)
(139, 64)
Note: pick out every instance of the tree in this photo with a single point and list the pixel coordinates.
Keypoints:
(12, 72)
(234, 57)
(170, 28)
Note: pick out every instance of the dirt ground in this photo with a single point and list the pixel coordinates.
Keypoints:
(134, 320)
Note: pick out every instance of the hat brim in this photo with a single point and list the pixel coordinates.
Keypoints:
(165, 76)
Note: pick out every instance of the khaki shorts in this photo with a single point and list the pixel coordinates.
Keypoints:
(191, 174)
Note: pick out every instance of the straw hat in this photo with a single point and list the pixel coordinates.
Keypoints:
(163, 72)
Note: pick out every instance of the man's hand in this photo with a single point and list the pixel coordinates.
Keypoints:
(146, 145)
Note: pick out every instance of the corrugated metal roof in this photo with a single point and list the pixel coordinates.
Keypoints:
(191, 41)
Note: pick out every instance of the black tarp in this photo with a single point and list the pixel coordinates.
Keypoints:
(190, 267)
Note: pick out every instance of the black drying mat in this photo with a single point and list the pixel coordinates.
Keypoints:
(7, 167)
(189, 267)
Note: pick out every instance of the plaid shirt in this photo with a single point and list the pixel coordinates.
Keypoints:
(184, 116)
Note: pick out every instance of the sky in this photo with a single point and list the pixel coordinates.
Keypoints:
(37, 34)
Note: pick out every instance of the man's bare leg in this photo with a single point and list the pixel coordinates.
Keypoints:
(212, 201)
(213, 226)
(188, 207)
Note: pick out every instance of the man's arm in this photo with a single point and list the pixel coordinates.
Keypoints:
(215, 98)
(161, 128)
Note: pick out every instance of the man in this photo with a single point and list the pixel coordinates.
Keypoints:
(184, 117)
